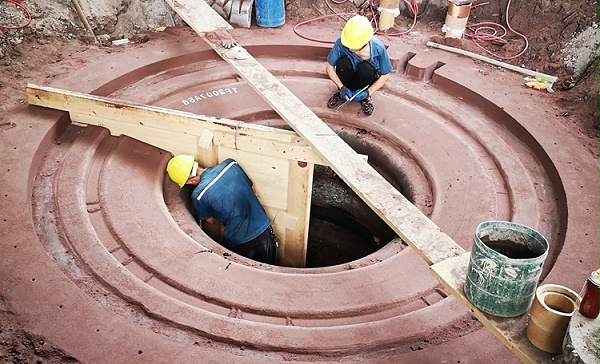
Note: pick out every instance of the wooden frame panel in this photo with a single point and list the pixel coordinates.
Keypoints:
(278, 161)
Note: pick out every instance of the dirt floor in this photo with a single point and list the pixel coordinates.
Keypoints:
(556, 32)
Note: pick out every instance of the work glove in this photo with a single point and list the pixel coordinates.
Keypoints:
(345, 93)
(362, 95)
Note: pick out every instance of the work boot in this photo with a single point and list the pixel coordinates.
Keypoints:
(367, 106)
(335, 100)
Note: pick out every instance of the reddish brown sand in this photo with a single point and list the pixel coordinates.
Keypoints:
(101, 262)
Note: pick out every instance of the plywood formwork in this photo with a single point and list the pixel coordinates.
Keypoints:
(278, 161)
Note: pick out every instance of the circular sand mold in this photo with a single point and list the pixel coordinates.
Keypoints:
(465, 160)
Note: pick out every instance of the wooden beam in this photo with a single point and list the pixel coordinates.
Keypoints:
(511, 331)
(128, 116)
(401, 215)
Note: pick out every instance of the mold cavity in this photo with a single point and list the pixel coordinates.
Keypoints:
(343, 228)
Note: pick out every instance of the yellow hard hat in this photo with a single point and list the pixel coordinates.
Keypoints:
(357, 32)
(179, 168)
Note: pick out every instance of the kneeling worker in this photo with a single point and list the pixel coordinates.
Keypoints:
(225, 193)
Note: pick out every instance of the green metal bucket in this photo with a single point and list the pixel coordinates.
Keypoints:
(505, 265)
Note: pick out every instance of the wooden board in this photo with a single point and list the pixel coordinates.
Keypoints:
(208, 22)
(511, 331)
(278, 161)
(283, 186)
(401, 215)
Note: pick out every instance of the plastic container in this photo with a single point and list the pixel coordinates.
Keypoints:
(270, 13)
(504, 268)
(590, 305)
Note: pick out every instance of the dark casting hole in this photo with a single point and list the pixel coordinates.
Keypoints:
(343, 228)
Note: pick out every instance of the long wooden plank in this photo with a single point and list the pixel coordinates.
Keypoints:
(401, 215)
(210, 19)
(551, 79)
(510, 331)
(224, 132)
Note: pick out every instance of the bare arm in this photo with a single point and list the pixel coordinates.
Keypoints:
(378, 84)
(210, 220)
(333, 76)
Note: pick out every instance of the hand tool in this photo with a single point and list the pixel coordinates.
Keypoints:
(352, 98)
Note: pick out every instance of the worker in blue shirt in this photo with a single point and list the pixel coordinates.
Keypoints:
(225, 193)
(358, 64)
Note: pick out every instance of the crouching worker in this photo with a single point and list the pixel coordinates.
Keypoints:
(225, 193)
(358, 64)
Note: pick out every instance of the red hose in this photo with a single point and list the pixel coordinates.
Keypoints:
(19, 5)
(484, 32)
(412, 5)
(488, 32)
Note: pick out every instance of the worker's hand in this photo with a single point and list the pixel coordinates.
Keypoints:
(345, 93)
(362, 95)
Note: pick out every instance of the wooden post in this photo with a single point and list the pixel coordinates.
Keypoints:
(83, 18)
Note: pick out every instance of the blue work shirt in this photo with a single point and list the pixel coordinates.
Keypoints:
(225, 193)
(379, 57)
